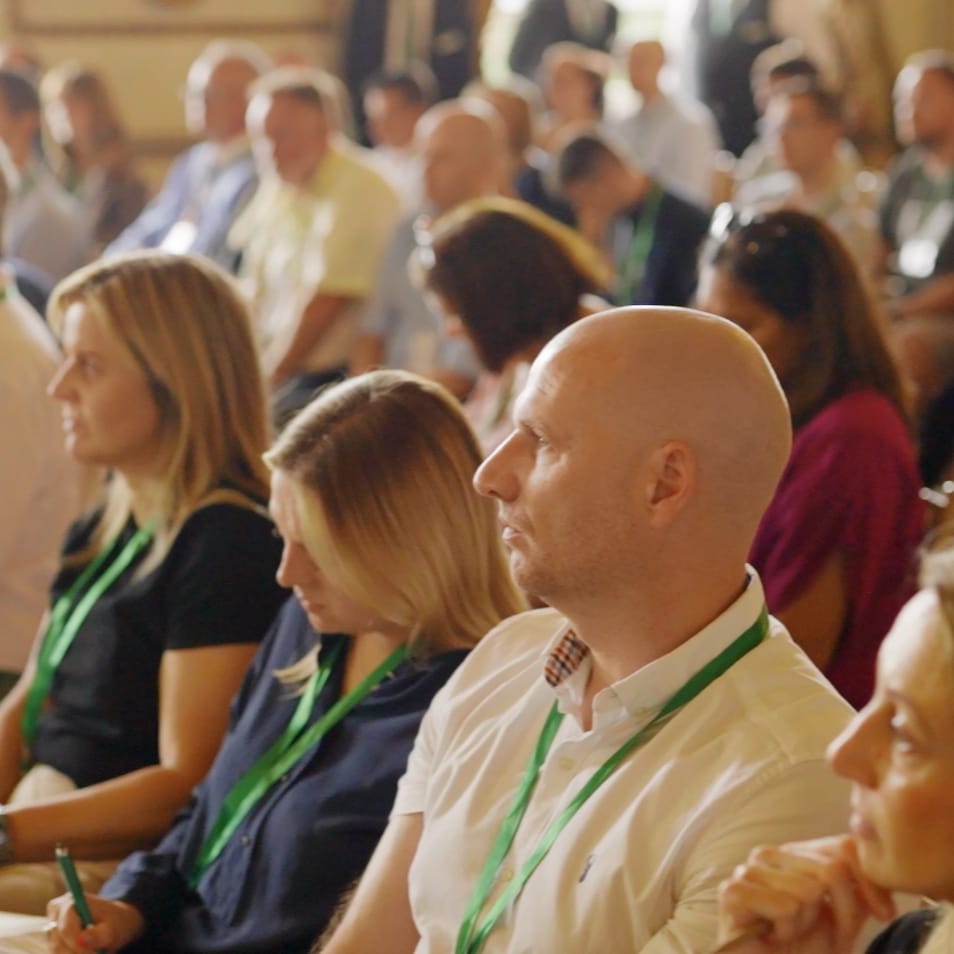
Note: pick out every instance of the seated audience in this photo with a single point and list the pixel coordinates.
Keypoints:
(812, 897)
(32, 283)
(386, 542)
(312, 237)
(655, 724)
(917, 215)
(528, 174)
(40, 488)
(650, 234)
(803, 124)
(671, 137)
(572, 80)
(44, 225)
(836, 544)
(94, 162)
(774, 70)
(393, 103)
(165, 588)
(548, 278)
(544, 23)
(461, 148)
(211, 182)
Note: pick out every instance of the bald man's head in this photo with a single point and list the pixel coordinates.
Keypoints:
(217, 89)
(463, 145)
(648, 440)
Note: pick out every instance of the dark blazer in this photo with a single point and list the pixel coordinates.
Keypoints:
(452, 48)
(545, 22)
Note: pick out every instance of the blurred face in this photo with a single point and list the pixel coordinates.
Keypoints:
(568, 90)
(17, 132)
(110, 415)
(803, 140)
(391, 119)
(563, 486)
(215, 99)
(289, 136)
(924, 104)
(327, 608)
(899, 753)
(453, 170)
(644, 63)
(782, 342)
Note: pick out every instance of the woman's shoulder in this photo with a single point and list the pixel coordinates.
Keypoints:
(863, 416)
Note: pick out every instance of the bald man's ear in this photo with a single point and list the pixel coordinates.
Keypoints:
(671, 482)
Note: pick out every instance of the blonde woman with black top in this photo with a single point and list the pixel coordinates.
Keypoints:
(165, 588)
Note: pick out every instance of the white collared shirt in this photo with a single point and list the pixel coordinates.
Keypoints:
(638, 867)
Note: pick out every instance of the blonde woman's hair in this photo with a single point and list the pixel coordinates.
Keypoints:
(184, 323)
(383, 464)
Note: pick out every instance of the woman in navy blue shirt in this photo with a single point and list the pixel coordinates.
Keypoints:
(385, 541)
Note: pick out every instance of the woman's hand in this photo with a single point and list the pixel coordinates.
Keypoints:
(806, 897)
(116, 924)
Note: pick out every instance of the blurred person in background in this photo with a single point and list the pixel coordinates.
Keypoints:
(211, 182)
(93, 159)
(835, 547)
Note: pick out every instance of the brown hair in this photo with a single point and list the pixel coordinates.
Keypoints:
(795, 265)
(511, 274)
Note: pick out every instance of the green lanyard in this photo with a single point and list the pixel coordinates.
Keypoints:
(68, 615)
(472, 937)
(640, 245)
(290, 746)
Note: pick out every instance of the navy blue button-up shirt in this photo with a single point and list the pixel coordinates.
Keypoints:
(276, 883)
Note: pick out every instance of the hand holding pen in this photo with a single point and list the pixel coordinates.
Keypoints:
(80, 923)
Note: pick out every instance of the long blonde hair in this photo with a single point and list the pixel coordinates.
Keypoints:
(383, 464)
(184, 323)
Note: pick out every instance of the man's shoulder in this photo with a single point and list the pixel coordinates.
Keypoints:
(358, 173)
(781, 704)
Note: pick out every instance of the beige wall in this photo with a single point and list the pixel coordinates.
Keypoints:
(145, 46)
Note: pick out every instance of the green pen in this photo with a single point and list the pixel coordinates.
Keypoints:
(65, 861)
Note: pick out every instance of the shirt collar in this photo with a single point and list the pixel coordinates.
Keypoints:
(642, 693)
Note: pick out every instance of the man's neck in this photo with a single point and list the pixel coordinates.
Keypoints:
(623, 639)
(650, 95)
(817, 183)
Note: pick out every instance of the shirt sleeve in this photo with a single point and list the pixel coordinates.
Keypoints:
(352, 250)
(777, 812)
(220, 585)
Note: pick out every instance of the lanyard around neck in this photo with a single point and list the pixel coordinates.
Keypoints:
(472, 936)
(640, 245)
(285, 752)
(67, 617)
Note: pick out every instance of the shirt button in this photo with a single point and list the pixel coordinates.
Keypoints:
(565, 764)
(284, 778)
(245, 840)
(506, 874)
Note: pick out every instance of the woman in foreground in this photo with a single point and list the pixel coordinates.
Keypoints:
(385, 541)
(165, 587)
(812, 897)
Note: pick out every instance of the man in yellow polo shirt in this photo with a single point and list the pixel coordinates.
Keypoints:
(311, 237)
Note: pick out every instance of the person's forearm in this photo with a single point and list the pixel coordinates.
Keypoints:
(108, 820)
(935, 297)
(317, 319)
(367, 355)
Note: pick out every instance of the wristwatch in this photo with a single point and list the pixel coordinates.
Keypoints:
(6, 849)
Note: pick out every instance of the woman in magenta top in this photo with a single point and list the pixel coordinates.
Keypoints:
(835, 548)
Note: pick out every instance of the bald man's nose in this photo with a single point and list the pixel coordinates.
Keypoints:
(496, 476)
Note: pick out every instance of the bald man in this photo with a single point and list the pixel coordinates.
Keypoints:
(645, 447)
(672, 137)
(212, 181)
(462, 144)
